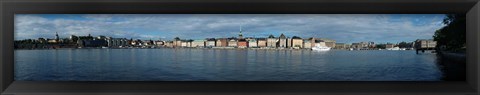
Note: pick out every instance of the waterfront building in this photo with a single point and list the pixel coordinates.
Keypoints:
(371, 45)
(425, 43)
(116, 42)
(289, 42)
(222, 42)
(189, 43)
(81, 40)
(177, 42)
(328, 42)
(242, 43)
(282, 41)
(94, 43)
(312, 41)
(307, 43)
(389, 45)
(262, 42)
(297, 42)
(340, 46)
(169, 44)
(210, 42)
(355, 45)
(271, 41)
(198, 43)
(252, 42)
(232, 42)
(54, 41)
(347, 46)
(148, 43)
(184, 43)
(364, 44)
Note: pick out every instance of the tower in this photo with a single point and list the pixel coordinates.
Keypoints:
(56, 36)
(240, 36)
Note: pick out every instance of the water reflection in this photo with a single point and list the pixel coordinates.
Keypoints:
(229, 65)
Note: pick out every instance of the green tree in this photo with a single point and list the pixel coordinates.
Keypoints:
(452, 37)
(381, 46)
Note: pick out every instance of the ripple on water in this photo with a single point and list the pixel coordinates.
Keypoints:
(224, 65)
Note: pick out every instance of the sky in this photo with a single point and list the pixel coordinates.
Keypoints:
(344, 28)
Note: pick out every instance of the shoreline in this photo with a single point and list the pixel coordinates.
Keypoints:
(213, 48)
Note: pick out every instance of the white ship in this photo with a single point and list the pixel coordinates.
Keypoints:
(394, 48)
(320, 48)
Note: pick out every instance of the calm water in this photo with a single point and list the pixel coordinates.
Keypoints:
(223, 65)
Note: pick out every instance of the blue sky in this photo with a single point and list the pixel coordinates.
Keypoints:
(344, 28)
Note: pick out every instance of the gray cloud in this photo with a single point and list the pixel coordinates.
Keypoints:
(341, 27)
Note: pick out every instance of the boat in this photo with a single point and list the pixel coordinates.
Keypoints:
(350, 49)
(104, 47)
(321, 48)
(394, 48)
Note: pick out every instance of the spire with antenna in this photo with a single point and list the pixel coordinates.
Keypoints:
(240, 36)
(56, 36)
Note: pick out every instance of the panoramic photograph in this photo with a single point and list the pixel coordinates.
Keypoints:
(240, 47)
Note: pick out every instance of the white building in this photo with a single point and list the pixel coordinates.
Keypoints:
(117, 42)
(210, 42)
(272, 41)
(232, 42)
(252, 43)
(198, 43)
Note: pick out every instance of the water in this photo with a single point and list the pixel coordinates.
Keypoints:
(223, 65)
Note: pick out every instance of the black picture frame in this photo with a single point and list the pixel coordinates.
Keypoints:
(8, 8)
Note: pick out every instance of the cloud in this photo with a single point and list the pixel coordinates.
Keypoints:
(341, 27)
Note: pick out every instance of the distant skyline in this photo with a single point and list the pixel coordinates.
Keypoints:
(344, 28)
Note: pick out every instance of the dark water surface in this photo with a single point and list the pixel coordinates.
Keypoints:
(224, 65)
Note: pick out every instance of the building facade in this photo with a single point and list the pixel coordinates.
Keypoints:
(198, 43)
(221, 42)
(297, 42)
(271, 41)
(252, 43)
(289, 42)
(232, 42)
(210, 42)
(282, 41)
(425, 43)
(262, 42)
(117, 42)
(340, 46)
(242, 43)
(307, 43)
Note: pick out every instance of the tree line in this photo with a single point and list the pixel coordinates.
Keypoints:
(452, 37)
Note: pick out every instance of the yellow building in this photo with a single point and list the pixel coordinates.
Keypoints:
(262, 42)
(297, 42)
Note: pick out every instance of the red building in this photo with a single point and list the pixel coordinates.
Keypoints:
(242, 43)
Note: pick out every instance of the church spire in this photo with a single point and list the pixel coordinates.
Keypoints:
(56, 36)
(240, 36)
